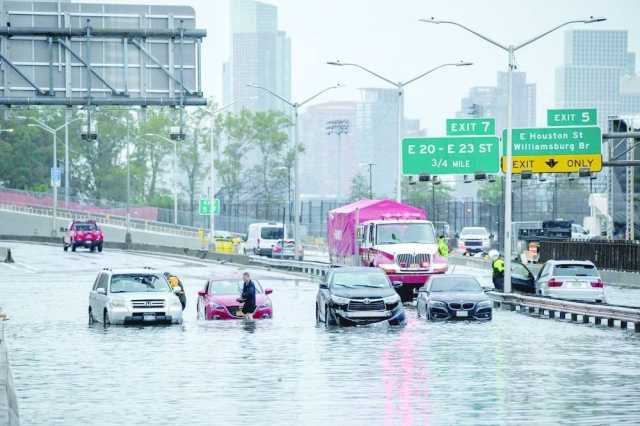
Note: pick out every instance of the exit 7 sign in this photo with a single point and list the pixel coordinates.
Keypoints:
(471, 126)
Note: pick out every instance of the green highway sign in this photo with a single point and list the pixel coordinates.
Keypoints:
(204, 207)
(450, 156)
(572, 117)
(555, 141)
(471, 126)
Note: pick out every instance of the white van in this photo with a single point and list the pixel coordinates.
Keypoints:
(262, 237)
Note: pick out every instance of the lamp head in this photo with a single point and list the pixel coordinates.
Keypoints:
(431, 20)
(464, 63)
(336, 63)
(593, 19)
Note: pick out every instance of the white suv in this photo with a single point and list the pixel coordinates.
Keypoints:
(133, 296)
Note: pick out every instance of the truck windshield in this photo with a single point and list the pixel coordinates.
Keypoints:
(474, 233)
(398, 233)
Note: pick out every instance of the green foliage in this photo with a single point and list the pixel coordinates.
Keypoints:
(421, 193)
(359, 188)
(491, 192)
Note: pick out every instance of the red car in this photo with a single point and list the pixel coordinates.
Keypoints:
(218, 300)
(83, 233)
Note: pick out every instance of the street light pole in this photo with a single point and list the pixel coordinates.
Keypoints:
(400, 110)
(371, 180)
(296, 170)
(510, 49)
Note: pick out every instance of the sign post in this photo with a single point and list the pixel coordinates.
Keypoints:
(450, 156)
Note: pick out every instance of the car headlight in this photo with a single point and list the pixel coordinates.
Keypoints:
(391, 299)
(436, 303)
(389, 267)
(339, 300)
(118, 303)
(485, 304)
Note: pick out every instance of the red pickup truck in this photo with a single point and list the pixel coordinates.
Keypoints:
(83, 233)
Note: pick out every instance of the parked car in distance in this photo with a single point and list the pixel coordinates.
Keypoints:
(128, 296)
(262, 237)
(286, 249)
(83, 233)
(356, 296)
(570, 280)
(579, 233)
(474, 239)
(453, 296)
(219, 300)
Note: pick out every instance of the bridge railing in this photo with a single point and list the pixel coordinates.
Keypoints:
(606, 254)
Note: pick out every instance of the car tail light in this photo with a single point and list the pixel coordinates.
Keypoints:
(597, 283)
(554, 283)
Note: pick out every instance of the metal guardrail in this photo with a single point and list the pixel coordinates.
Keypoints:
(106, 219)
(587, 313)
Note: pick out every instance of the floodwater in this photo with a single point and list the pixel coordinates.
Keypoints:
(288, 371)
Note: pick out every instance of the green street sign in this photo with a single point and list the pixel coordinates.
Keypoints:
(471, 126)
(572, 117)
(450, 156)
(555, 141)
(204, 207)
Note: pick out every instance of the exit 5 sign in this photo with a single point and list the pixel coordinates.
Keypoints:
(572, 117)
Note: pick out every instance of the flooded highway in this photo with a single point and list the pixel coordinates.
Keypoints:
(287, 371)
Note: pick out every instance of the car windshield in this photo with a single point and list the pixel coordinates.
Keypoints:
(446, 284)
(397, 233)
(474, 233)
(272, 233)
(360, 279)
(138, 283)
(573, 270)
(86, 227)
(230, 287)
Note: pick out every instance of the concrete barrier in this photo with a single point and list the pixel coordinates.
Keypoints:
(8, 400)
(5, 255)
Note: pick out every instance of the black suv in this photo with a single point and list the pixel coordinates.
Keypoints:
(358, 295)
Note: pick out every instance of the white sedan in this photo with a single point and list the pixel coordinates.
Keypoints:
(570, 280)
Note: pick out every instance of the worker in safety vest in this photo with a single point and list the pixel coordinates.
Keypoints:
(497, 266)
(175, 282)
(443, 248)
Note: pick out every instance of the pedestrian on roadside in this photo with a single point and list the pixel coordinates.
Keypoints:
(175, 282)
(443, 247)
(497, 266)
(248, 297)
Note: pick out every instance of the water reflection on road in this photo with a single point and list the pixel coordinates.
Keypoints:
(514, 370)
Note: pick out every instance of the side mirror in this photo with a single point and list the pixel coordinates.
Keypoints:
(457, 235)
(63, 229)
(491, 236)
(324, 286)
(102, 291)
(202, 293)
(397, 284)
(268, 290)
(423, 289)
(585, 232)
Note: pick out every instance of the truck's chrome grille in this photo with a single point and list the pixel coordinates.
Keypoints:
(148, 304)
(362, 305)
(413, 261)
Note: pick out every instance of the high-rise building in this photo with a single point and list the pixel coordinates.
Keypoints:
(595, 62)
(377, 123)
(319, 177)
(489, 101)
(260, 54)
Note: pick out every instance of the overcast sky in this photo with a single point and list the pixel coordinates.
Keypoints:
(385, 35)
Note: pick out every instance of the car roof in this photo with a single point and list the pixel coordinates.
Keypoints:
(147, 271)
(571, 262)
(364, 269)
(436, 277)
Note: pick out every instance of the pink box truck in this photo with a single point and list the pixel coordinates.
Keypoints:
(386, 234)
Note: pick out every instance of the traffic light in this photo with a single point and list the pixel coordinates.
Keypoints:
(88, 133)
(176, 134)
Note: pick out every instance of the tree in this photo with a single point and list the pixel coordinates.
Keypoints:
(359, 187)
(421, 193)
(491, 192)
(149, 152)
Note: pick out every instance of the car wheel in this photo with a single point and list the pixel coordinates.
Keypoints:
(105, 319)
(100, 247)
(328, 322)
(92, 249)
(73, 247)
(91, 319)
(317, 315)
